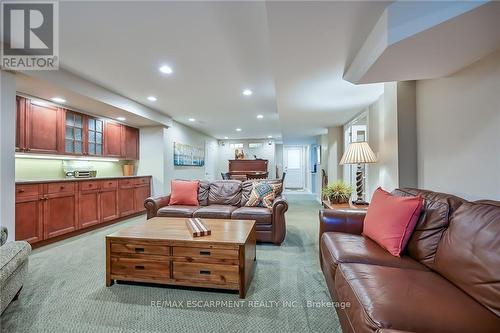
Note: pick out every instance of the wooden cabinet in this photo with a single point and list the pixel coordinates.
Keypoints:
(59, 214)
(48, 210)
(113, 140)
(130, 143)
(44, 128)
(29, 213)
(132, 194)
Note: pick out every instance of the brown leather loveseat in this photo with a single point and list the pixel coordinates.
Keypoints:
(447, 281)
(226, 199)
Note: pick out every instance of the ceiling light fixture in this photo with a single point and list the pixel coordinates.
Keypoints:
(191, 119)
(152, 98)
(166, 69)
(269, 136)
(225, 138)
(238, 129)
(121, 118)
(247, 92)
(58, 100)
(259, 116)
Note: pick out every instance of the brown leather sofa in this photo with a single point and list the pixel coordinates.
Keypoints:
(447, 281)
(226, 199)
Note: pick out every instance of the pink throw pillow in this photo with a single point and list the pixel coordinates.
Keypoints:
(184, 192)
(390, 220)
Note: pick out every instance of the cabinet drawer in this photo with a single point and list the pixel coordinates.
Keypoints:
(140, 268)
(126, 182)
(201, 253)
(200, 272)
(108, 184)
(27, 190)
(89, 186)
(141, 181)
(66, 187)
(139, 248)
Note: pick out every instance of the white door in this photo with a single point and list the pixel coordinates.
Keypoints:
(293, 161)
(210, 161)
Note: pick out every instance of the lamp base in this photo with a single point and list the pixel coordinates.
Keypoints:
(360, 202)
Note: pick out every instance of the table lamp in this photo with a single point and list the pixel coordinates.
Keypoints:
(358, 153)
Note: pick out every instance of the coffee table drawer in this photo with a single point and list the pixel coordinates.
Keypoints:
(199, 272)
(140, 248)
(204, 253)
(140, 267)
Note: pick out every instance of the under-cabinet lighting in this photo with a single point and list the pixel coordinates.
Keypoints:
(66, 157)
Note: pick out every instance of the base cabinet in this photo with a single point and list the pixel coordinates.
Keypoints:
(48, 210)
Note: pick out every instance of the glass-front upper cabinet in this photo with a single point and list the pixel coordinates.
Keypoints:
(95, 136)
(74, 133)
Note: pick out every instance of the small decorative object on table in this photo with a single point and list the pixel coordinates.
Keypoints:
(338, 192)
(197, 227)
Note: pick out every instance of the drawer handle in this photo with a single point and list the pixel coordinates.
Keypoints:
(139, 267)
(205, 272)
(139, 249)
(62, 187)
(21, 190)
(204, 253)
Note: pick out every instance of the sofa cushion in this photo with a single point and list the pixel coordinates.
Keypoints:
(261, 215)
(433, 221)
(337, 247)
(390, 220)
(225, 192)
(246, 190)
(184, 192)
(177, 211)
(262, 195)
(469, 253)
(203, 192)
(407, 299)
(215, 212)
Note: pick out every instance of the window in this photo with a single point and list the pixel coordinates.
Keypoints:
(95, 130)
(236, 146)
(255, 145)
(74, 133)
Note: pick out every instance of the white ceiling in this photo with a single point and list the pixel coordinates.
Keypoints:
(291, 54)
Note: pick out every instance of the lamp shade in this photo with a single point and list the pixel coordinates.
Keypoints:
(358, 153)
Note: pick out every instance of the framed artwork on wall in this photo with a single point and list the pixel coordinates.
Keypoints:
(188, 155)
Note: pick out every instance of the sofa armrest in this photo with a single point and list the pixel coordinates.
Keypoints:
(152, 204)
(280, 206)
(3, 235)
(12, 255)
(341, 220)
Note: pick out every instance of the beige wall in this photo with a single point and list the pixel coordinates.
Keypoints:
(383, 139)
(458, 120)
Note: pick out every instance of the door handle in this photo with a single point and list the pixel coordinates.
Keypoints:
(205, 272)
(139, 267)
(204, 253)
(139, 249)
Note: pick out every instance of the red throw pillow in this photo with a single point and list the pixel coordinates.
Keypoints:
(184, 192)
(390, 220)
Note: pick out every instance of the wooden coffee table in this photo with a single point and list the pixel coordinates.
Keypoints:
(163, 251)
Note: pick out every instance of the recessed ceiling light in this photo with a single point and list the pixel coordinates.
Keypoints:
(152, 98)
(269, 136)
(259, 116)
(121, 118)
(166, 69)
(247, 92)
(191, 119)
(238, 129)
(58, 100)
(226, 138)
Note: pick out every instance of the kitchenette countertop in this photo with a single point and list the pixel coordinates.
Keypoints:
(57, 180)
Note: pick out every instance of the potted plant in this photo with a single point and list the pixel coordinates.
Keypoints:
(338, 192)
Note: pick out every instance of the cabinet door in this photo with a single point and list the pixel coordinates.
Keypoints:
(21, 103)
(109, 205)
(95, 139)
(131, 143)
(29, 219)
(113, 139)
(88, 208)
(126, 200)
(43, 129)
(74, 133)
(59, 214)
(141, 193)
